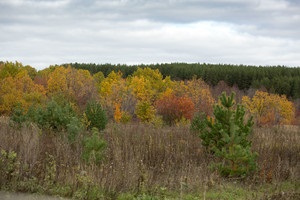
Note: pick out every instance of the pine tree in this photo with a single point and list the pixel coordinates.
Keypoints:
(226, 137)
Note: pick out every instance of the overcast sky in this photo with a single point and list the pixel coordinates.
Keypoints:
(251, 32)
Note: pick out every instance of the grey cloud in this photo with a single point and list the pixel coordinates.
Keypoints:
(147, 31)
(271, 17)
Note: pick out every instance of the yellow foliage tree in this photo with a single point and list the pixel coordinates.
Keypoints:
(113, 91)
(9, 95)
(148, 84)
(145, 111)
(20, 89)
(76, 86)
(57, 82)
(141, 88)
(270, 108)
(9, 69)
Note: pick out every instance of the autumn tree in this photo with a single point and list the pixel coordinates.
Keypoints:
(114, 91)
(201, 95)
(82, 87)
(198, 91)
(21, 90)
(173, 108)
(147, 85)
(153, 79)
(145, 111)
(269, 109)
(9, 69)
(42, 76)
(9, 95)
(77, 86)
(57, 82)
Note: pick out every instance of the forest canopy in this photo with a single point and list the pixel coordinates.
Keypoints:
(274, 79)
(162, 93)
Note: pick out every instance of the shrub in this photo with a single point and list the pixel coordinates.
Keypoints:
(225, 136)
(93, 147)
(95, 115)
(74, 128)
(9, 167)
(56, 116)
(125, 118)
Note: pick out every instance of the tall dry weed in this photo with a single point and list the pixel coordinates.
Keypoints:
(140, 157)
(279, 152)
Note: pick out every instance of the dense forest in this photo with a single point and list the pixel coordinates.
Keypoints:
(275, 79)
(149, 92)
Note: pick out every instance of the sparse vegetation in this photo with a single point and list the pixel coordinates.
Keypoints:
(144, 162)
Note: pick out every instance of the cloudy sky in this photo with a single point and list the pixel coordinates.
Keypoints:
(251, 32)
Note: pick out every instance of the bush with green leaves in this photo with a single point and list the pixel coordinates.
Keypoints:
(226, 137)
(93, 147)
(56, 116)
(95, 115)
(9, 167)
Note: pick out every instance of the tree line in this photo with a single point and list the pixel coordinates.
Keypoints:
(274, 79)
(146, 95)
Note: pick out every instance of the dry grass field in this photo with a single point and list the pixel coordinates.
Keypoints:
(144, 161)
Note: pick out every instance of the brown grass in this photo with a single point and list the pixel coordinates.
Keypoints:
(141, 157)
(279, 153)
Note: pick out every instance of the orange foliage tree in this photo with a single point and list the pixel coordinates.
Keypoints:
(173, 108)
(198, 91)
(118, 112)
(270, 109)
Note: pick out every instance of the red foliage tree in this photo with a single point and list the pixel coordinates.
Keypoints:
(173, 108)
